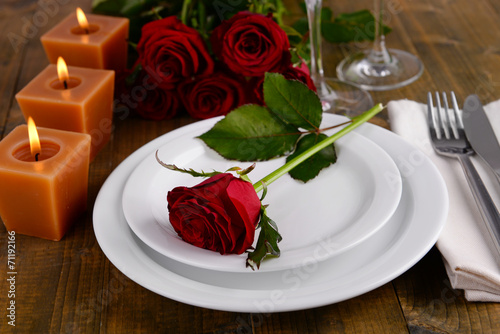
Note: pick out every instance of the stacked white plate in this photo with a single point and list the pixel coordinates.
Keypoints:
(362, 222)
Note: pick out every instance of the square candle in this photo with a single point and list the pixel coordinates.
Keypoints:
(85, 106)
(43, 198)
(103, 45)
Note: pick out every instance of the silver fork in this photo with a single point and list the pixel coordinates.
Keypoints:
(448, 139)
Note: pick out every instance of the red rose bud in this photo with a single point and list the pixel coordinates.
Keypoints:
(219, 214)
(171, 51)
(300, 73)
(251, 44)
(213, 95)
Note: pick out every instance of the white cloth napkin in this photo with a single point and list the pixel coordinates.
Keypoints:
(469, 256)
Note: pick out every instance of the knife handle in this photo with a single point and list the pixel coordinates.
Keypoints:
(483, 199)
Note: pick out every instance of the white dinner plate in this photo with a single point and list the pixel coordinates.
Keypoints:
(346, 204)
(397, 246)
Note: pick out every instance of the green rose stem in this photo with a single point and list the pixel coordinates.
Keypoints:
(184, 13)
(357, 121)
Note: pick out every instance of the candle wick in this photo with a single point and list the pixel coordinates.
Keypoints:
(87, 31)
(36, 156)
(65, 84)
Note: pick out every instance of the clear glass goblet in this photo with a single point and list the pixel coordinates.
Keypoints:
(336, 96)
(380, 68)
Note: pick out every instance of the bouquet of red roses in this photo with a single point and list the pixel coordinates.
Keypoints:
(175, 60)
(209, 57)
(178, 69)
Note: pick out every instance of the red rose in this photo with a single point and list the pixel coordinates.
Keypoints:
(219, 214)
(300, 73)
(251, 44)
(173, 51)
(153, 101)
(121, 84)
(292, 73)
(158, 104)
(213, 95)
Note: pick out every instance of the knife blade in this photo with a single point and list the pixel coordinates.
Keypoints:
(480, 133)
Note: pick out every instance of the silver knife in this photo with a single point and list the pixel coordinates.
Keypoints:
(484, 142)
(480, 133)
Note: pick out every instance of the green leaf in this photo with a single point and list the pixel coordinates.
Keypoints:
(301, 25)
(326, 14)
(225, 9)
(351, 27)
(292, 101)
(251, 133)
(108, 6)
(267, 243)
(294, 37)
(139, 12)
(134, 7)
(127, 8)
(311, 167)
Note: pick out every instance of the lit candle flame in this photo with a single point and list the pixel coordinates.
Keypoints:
(82, 20)
(62, 71)
(34, 139)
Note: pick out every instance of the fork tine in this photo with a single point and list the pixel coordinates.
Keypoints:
(460, 123)
(449, 123)
(440, 111)
(431, 118)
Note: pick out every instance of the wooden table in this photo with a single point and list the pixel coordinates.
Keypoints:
(71, 287)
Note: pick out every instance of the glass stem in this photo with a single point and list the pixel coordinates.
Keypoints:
(314, 20)
(379, 53)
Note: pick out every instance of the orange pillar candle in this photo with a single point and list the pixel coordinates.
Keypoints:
(84, 105)
(98, 42)
(43, 198)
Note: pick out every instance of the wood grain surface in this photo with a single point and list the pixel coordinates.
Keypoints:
(71, 287)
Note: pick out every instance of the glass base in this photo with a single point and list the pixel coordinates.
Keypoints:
(343, 98)
(402, 69)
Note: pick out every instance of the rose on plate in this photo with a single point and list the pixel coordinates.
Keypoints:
(219, 214)
(222, 213)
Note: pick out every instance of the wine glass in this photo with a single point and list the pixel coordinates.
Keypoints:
(380, 68)
(336, 96)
